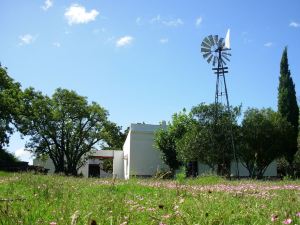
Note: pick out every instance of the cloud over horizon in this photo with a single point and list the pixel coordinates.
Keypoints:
(23, 155)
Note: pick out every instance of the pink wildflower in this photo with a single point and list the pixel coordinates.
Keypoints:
(53, 223)
(274, 218)
(287, 221)
(298, 214)
(162, 223)
(181, 200)
(167, 216)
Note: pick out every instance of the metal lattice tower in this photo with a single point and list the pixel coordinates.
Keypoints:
(216, 51)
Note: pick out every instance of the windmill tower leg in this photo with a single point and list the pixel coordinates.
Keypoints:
(231, 130)
(221, 82)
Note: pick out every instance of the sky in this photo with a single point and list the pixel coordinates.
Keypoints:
(141, 60)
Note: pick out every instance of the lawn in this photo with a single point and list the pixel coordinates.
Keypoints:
(38, 199)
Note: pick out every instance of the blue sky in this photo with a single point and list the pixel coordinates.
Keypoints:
(141, 60)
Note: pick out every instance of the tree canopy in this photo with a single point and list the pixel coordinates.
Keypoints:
(287, 103)
(208, 139)
(264, 134)
(65, 127)
(10, 94)
(166, 138)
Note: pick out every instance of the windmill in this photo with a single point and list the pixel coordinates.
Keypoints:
(215, 50)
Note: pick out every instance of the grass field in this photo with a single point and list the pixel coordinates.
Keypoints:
(36, 199)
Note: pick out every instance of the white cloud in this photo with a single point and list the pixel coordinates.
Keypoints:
(26, 39)
(173, 23)
(56, 44)
(164, 40)
(198, 21)
(77, 14)
(124, 41)
(23, 155)
(268, 44)
(138, 21)
(47, 4)
(167, 22)
(294, 24)
(155, 19)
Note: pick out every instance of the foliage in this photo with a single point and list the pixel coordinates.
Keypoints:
(34, 199)
(287, 103)
(6, 157)
(296, 164)
(208, 136)
(282, 166)
(181, 175)
(264, 134)
(166, 137)
(113, 136)
(107, 165)
(10, 93)
(65, 127)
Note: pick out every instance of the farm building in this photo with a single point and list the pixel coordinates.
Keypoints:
(138, 158)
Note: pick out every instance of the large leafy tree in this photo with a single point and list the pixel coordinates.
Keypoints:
(113, 136)
(287, 103)
(208, 137)
(264, 134)
(10, 96)
(166, 138)
(65, 127)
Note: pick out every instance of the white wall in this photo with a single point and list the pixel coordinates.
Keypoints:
(117, 156)
(243, 172)
(271, 170)
(126, 150)
(143, 158)
(118, 164)
(48, 164)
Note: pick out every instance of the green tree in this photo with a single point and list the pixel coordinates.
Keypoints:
(208, 139)
(6, 158)
(166, 138)
(287, 103)
(264, 134)
(65, 127)
(113, 136)
(10, 95)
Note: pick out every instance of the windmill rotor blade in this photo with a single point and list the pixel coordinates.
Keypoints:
(225, 57)
(211, 40)
(215, 60)
(226, 53)
(216, 39)
(205, 45)
(205, 55)
(223, 61)
(221, 42)
(206, 41)
(205, 50)
(209, 59)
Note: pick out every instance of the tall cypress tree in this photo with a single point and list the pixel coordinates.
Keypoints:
(287, 103)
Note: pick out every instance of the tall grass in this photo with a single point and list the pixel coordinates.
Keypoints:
(36, 199)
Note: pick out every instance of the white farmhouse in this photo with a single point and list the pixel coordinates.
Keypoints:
(139, 158)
